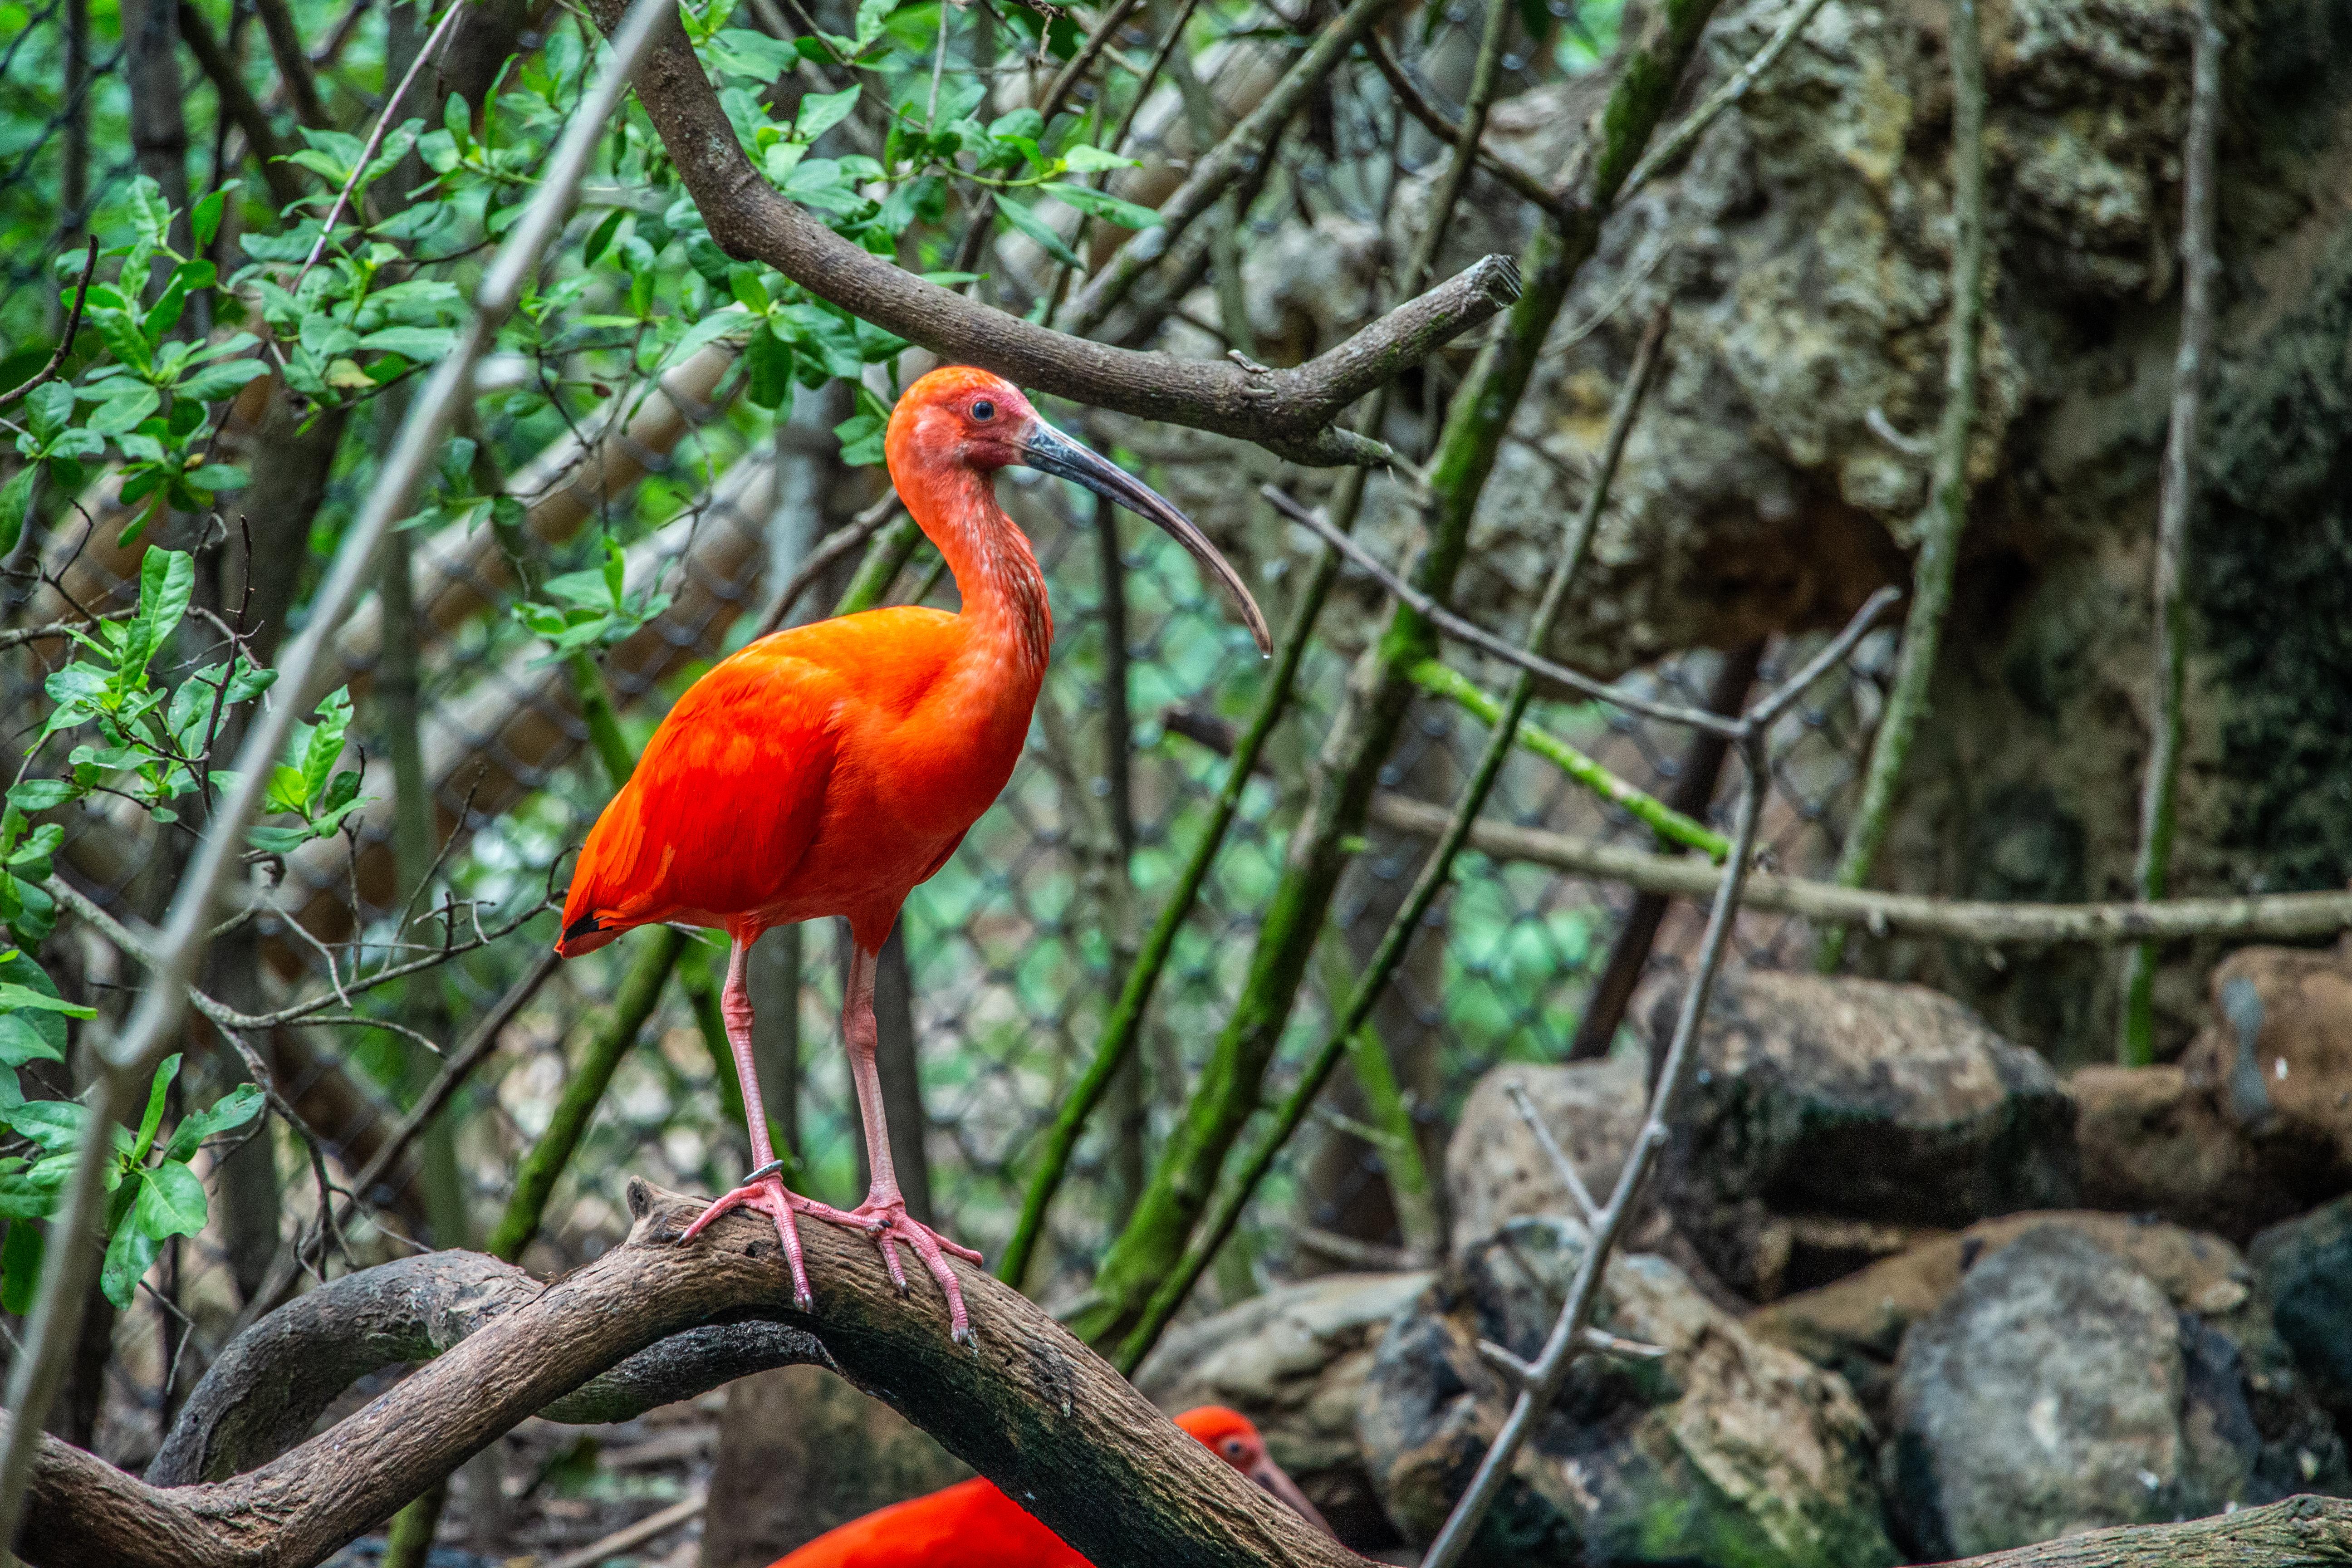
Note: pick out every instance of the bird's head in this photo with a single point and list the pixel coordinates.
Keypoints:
(1235, 1439)
(959, 416)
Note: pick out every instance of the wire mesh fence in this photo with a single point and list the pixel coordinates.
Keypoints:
(1016, 948)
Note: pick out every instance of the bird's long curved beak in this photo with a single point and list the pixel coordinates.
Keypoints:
(1273, 1478)
(1049, 451)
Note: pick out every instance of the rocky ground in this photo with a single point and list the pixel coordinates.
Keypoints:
(1919, 1297)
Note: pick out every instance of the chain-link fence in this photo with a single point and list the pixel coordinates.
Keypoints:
(1016, 948)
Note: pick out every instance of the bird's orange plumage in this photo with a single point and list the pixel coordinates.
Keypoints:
(973, 1525)
(828, 769)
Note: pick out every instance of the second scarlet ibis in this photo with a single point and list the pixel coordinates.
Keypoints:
(828, 769)
(973, 1525)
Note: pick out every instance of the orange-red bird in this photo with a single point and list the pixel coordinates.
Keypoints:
(827, 769)
(973, 1525)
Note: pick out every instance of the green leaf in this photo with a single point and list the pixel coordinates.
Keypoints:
(124, 409)
(601, 236)
(205, 221)
(129, 1256)
(20, 1267)
(1083, 159)
(20, 1199)
(1103, 205)
(165, 1071)
(30, 796)
(821, 111)
(215, 477)
(1038, 229)
(151, 216)
(214, 382)
(32, 1015)
(326, 743)
(421, 345)
(871, 15)
(768, 365)
(166, 577)
(750, 293)
(55, 1124)
(724, 322)
(172, 1202)
(231, 1111)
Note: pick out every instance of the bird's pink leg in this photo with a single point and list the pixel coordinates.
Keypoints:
(884, 1213)
(765, 1191)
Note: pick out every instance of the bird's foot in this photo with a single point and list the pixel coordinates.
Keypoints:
(766, 1192)
(886, 1221)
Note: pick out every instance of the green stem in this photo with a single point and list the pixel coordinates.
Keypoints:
(1410, 1187)
(1948, 500)
(2159, 790)
(1434, 676)
(1512, 357)
(1140, 1262)
(603, 723)
(1124, 1027)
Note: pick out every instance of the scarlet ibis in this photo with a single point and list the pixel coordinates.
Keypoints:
(828, 769)
(973, 1525)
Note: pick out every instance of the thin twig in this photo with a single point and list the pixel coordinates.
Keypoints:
(2200, 268)
(1479, 636)
(1562, 1166)
(1946, 513)
(820, 557)
(1417, 103)
(375, 138)
(1546, 1374)
(64, 343)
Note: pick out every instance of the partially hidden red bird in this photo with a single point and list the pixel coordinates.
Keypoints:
(828, 769)
(973, 1525)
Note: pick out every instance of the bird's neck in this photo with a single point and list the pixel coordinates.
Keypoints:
(996, 570)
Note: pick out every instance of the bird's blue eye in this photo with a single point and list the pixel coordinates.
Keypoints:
(984, 409)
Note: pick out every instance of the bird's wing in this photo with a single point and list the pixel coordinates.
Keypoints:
(723, 803)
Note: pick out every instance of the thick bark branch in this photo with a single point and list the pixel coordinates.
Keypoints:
(1030, 1407)
(278, 1376)
(1287, 411)
(2298, 1532)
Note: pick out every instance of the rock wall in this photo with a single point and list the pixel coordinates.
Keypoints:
(1804, 248)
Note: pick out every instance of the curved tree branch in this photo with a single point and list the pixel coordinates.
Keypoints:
(1287, 411)
(1030, 1407)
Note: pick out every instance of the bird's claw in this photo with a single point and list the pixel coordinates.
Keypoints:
(767, 1193)
(886, 1221)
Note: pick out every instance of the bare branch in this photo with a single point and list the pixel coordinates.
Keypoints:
(1029, 1407)
(1287, 411)
(73, 326)
(1562, 1166)
(1417, 103)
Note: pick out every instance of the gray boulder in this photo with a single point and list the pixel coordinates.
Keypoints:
(1859, 1100)
(1496, 1172)
(2060, 1389)
(2305, 1267)
(1293, 1359)
(1726, 1450)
